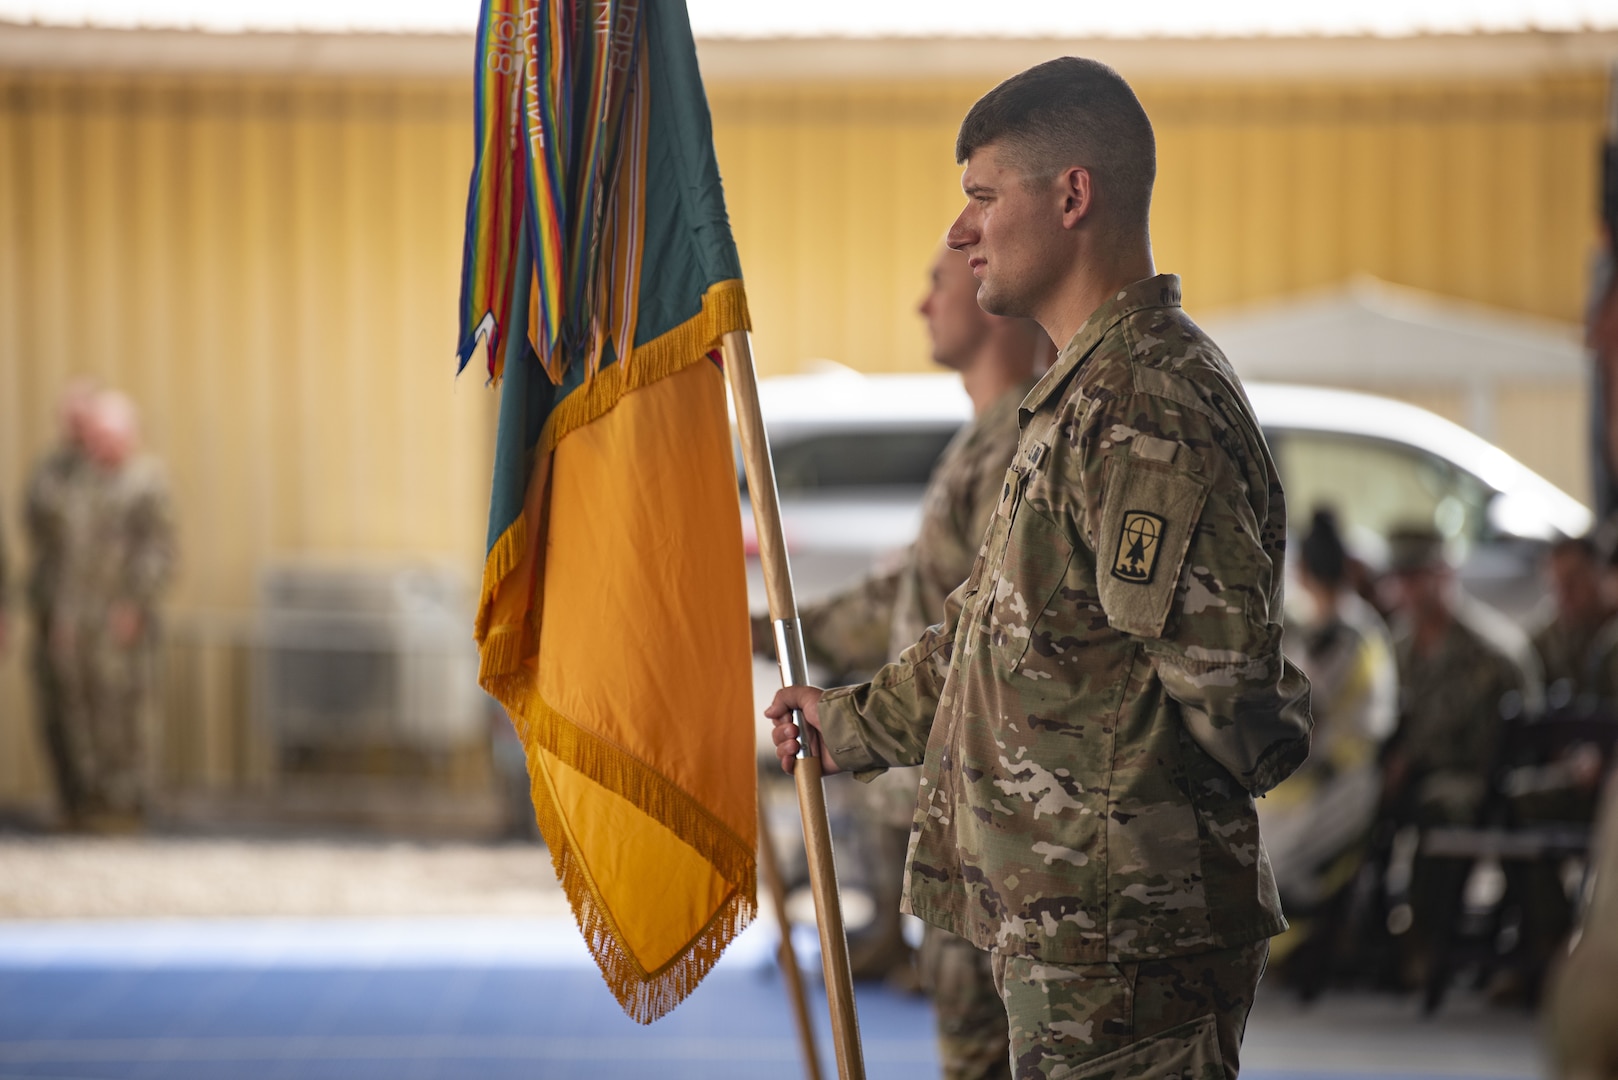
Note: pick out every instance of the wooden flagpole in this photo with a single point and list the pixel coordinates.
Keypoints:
(787, 955)
(772, 554)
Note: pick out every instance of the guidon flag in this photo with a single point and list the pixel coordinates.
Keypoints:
(599, 275)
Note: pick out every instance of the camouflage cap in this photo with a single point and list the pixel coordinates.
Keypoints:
(1415, 547)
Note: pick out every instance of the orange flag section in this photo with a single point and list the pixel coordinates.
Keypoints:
(635, 705)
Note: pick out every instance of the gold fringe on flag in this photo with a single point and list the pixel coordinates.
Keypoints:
(508, 640)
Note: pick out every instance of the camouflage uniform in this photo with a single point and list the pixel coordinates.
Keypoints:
(101, 538)
(1179, 1017)
(1450, 704)
(1109, 695)
(1576, 660)
(868, 625)
(902, 603)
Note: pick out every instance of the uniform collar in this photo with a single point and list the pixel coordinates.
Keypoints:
(1153, 292)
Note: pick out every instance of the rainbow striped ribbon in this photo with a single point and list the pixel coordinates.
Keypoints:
(559, 112)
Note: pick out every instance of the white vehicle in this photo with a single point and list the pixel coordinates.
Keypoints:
(1381, 463)
(853, 452)
(852, 456)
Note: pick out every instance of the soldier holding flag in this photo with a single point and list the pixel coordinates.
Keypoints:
(1106, 694)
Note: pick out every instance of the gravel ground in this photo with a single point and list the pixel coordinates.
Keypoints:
(147, 877)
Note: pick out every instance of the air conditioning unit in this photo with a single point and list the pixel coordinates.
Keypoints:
(362, 655)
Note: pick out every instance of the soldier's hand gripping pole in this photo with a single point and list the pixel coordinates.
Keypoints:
(789, 645)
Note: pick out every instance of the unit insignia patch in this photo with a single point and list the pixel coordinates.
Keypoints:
(1139, 538)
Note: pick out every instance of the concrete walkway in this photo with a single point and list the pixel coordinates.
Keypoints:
(167, 877)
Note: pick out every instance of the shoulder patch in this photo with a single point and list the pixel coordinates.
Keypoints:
(1149, 513)
(1140, 538)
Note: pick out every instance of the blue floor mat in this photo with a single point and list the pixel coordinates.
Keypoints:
(421, 1000)
(423, 1024)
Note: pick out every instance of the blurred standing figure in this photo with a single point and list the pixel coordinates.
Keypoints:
(1325, 807)
(98, 519)
(62, 471)
(871, 623)
(1571, 642)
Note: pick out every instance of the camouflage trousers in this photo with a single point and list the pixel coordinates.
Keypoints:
(973, 1040)
(1179, 1018)
(89, 704)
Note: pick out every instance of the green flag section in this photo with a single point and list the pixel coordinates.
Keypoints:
(613, 618)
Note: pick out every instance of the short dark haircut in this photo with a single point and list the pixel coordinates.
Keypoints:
(1065, 112)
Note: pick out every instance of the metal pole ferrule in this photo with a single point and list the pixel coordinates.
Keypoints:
(795, 672)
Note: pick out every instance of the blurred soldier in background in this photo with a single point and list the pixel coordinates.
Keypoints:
(1461, 667)
(61, 471)
(98, 519)
(868, 625)
(1325, 808)
(1578, 646)
(1570, 641)
(1463, 671)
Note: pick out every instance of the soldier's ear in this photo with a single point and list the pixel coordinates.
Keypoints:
(1078, 195)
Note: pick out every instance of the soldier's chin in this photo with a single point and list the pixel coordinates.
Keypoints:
(994, 300)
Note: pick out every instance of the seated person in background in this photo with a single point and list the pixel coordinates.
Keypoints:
(1579, 628)
(1325, 808)
(1462, 668)
(1578, 646)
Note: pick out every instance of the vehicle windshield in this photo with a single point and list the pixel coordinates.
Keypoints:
(1374, 485)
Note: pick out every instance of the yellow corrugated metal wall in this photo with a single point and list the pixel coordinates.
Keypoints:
(269, 265)
(1478, 190)
(270, 269)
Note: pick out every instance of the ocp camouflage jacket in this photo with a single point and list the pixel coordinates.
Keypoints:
(1108, 693)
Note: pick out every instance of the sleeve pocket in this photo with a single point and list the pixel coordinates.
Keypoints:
(1149, 514)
